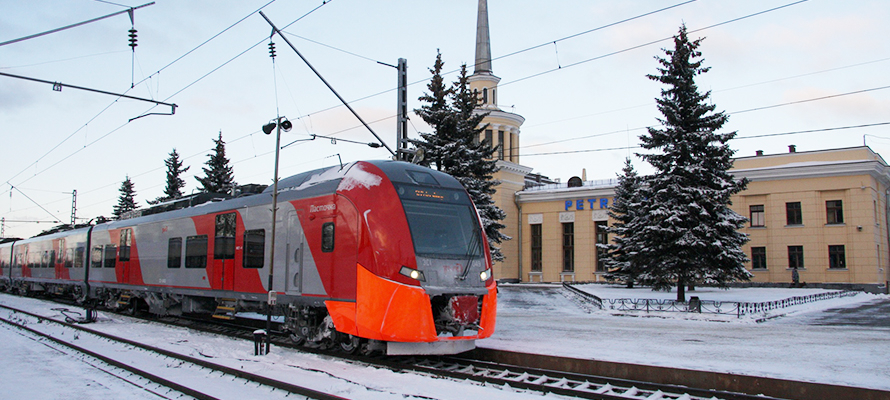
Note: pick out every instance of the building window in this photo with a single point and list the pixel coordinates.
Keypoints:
(602, 237)
(537, 247)
(758, 217)
(174, 253)
(836, 257)
(568, 247)
(758, 258)
(501, 145)
(834, 209)
(488, 136)
(254, 248)
(793, 214)
(484, 95)
(795, 257)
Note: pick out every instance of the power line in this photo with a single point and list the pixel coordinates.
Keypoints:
(735, 138)
(649, 43)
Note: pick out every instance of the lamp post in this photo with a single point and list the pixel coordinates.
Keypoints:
(280, 123)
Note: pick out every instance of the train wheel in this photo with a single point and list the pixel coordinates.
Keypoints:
(349, 344)
(297, 339)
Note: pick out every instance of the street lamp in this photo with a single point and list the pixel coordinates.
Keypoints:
(278, 124)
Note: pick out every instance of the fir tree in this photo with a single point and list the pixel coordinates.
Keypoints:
(127, 200)
(175, 184)
(436, 113)
(218, 177)
(619, 254)
(689, 234)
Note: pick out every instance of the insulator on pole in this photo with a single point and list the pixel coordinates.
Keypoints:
(272, 49)
(132, 36)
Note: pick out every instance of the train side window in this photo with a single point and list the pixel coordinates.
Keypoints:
(110, 256)
(96, 257)
(52, 259)
(78, 257)
(254, 248)
(327, 237)
(69, 258)
(196, 251)
(224, 242)
(126, 241)
(174, 253)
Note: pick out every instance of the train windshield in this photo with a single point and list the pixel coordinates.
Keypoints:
(442, 221)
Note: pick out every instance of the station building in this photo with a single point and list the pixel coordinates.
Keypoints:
(824, 212)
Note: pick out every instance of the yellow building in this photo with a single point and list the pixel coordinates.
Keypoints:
(824, 212)
(503, 133)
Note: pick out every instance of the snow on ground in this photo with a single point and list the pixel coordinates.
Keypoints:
(540, 319)
(535, 319)
(30, 372)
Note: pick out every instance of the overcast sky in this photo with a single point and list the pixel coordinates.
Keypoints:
(588, 93)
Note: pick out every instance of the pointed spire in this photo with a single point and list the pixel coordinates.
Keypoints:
(483, 43)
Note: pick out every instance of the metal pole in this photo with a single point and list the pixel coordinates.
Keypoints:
(402, 108)
(274, 220)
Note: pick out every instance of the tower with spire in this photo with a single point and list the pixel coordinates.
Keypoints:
(503, 134)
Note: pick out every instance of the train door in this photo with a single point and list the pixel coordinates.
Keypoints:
(224, 252)
(126, 240)
(293, 281)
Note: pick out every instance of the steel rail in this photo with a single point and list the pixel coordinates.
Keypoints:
(295, 389)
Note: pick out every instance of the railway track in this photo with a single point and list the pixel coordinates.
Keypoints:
(511, 371)
(195, 377)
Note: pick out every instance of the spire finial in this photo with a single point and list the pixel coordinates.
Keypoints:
(483, 43)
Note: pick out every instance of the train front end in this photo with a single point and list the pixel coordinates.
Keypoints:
(424, 279)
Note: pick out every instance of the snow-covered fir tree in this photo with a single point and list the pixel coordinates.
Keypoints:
(175, 184)
(620, 252)
(689, 235)
(454, 147)
(127, 200)
(435, 111)
(218, 176)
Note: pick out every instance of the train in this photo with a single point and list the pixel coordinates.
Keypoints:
(369, 256)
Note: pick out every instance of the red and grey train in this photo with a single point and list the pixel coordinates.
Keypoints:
(368, 254)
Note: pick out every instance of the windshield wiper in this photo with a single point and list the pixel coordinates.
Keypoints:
(471, 252)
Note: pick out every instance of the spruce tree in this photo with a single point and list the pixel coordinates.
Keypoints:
(436, 113)
(690, 234)
(620, 253)
(218, 176)
(127, 200)
(175, 184)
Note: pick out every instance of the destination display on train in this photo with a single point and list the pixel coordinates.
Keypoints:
(410, 192)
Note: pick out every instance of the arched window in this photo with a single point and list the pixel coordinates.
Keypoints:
(494, 100)
(484, 95)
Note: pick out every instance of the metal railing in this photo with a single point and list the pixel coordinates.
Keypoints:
(702, 306)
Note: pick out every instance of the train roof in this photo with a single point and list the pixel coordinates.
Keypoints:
(307, 184)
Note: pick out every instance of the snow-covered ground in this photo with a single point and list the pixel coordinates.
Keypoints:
(535, 319)
(541, 320)
(30, 371)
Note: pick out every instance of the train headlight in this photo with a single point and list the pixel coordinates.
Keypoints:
(484, 275)
(412, 273)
